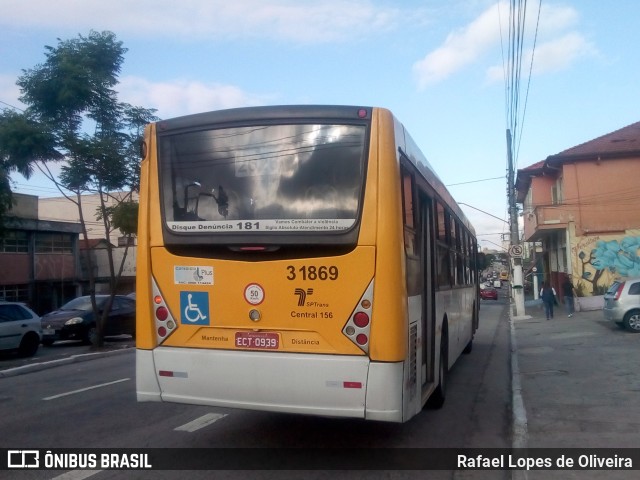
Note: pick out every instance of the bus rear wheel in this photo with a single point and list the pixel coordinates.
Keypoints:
(437, 398)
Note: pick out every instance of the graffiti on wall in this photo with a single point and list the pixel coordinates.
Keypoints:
(600, 260)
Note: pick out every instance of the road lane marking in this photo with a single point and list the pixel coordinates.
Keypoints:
(201, 422)
(76, 475)
(85, 389)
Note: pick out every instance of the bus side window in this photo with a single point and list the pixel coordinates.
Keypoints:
(408, 214)
(410, 236)
(443, 251)
(460, 255)
(407, 199)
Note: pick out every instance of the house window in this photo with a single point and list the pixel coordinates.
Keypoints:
(556, 192)
(53, 243)
(14, 242)
(14, 293)
(528, 202)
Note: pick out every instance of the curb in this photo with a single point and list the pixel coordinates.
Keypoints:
(36, 367)
(519, 427)
(518, 410)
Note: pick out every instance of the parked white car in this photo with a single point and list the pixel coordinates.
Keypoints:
(622, 304)
(20, 328)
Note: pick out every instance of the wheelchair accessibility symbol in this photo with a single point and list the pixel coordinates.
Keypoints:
(194, 307)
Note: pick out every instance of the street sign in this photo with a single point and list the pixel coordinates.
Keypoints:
(515, 251)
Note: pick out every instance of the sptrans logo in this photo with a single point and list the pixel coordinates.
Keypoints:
(302, 295)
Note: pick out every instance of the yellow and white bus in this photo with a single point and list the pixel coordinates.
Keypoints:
(301, 259)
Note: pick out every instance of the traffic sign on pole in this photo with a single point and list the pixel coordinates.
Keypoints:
(515, 251)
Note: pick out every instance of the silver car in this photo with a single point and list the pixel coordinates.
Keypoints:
(20, 328)
(622, 304)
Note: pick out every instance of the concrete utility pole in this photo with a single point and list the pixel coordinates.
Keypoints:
(515, 250)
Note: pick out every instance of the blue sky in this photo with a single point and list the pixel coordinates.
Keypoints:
(438, 65)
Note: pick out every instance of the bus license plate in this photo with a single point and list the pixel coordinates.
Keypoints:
(261, 340)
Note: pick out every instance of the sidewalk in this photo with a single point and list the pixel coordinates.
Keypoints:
(12, 365)
(579, 381)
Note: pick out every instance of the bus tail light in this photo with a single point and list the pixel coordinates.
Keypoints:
(358, 327)
(361, 319)
(163, 320)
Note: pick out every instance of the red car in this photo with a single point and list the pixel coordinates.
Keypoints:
(489, 293)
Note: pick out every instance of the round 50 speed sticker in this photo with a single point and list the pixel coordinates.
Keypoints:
(254, 294)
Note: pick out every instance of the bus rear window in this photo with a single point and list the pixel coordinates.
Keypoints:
(263, 178)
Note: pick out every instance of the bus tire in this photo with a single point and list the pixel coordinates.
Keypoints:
(469, 347)
(437, 398)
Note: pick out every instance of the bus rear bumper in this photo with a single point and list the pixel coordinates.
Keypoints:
(326, 385)
(147, 387)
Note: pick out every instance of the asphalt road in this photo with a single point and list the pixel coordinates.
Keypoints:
(61, 350)
(92, 404)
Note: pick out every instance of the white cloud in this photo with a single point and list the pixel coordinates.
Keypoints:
(170, 98)
(551, 56)
(182, 97)
(556, 49)
(298, 20)
(562, 52)
(461, 48)
(553, 19)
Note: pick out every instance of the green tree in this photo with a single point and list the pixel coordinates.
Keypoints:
(23, 141)
(73, 115)
(482, 261)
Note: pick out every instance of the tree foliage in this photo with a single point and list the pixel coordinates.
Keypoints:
(22, 141)
(73, 115)
(482, 261)
(125, 217)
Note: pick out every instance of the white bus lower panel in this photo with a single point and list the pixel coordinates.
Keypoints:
(330, 385)
(385, 393)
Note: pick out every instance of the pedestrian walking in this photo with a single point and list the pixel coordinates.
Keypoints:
(548, 296)
(568, 291)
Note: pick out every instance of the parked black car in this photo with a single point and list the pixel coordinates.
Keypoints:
(75, 319)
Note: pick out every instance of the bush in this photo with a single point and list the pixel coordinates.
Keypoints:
(600, 289)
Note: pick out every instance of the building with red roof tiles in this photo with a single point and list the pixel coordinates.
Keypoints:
(583, 206)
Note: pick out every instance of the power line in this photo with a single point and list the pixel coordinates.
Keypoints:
(482, 211)
(474, 181)
(34, 187)
(526, 97)
(517, 23)
(514, 111)
(12, 106)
